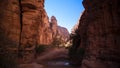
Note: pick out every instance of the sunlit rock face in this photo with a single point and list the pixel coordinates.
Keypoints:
(45, 33)
(26, 23)
(9, 23)
(36, 28)
(53, 25)
(99, 29)
(63, 33)
(58, 31)
(75, 27)
(33, 15)
(49, 30)
(32, 18)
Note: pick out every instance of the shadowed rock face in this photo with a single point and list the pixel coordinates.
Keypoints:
(9, 31)
(99, 29)
(9, 22)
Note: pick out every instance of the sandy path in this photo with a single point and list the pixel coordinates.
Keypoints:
(47, 56)
(54, 54)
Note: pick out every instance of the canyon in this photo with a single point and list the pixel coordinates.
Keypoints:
(24, 24)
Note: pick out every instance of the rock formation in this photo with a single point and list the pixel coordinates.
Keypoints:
(50, 30)
(58, 31)
(9, 31)
(75, 27)
(32, 11)
(20, 22)
(25, 24)
(99, 30)
(33, 18)
(63, 33)
(9, 23)
(53, 25)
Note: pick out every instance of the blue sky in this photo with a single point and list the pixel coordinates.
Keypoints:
(67, 12)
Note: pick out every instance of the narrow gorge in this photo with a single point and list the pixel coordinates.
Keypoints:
(31, 39)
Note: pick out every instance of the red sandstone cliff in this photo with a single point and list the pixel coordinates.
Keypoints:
(99, 29)
(50, 30)
(63, 33)
(58, 31)
(25, 24)
(32, 18)
(9, 23)
(19, 24)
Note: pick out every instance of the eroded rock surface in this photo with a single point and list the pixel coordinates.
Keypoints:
(63, 33)
(25, 24)
(9, 23)
(99, 30)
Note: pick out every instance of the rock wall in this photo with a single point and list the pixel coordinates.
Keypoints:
(58, 31)
(9, 23)
(25, 24)
(34, 22)
(63, 33)
(75, 27)
(53, 25)
(10, 29)
(20, 24)
(99, 30)
(50, 30)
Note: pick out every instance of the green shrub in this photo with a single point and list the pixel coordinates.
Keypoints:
(40, 48)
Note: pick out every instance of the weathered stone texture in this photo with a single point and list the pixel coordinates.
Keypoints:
(31, 20)
(63, 33)
(9, 22)
(54, 25)
(99, 30)
(45, 33)
(25, 24)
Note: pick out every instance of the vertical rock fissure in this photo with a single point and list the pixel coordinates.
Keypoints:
(19, 47)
